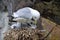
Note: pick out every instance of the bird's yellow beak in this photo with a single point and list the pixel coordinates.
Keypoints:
(35, 22)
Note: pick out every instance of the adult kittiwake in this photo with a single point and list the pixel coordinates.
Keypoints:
(26, 15)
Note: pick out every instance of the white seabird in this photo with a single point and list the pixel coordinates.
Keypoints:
(25, 15)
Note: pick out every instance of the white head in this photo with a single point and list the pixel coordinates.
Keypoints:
(35, 14)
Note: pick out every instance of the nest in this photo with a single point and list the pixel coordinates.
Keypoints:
(23, 34)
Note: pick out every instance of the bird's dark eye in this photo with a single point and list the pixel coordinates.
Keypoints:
(31, 22)
(32, 19)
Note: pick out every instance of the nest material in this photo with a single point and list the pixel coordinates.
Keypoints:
(23, 34)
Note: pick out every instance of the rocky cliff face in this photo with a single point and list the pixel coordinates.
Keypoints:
(44, 6)
(49, 9)
(16, 4)
(3, 24)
